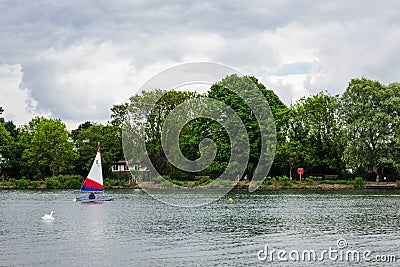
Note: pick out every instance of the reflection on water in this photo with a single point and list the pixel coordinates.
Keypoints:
(136, 230)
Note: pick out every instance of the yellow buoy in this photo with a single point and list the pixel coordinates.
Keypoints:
(230, 200)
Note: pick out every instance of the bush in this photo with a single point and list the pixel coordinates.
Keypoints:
(269, 181)
(107, 184)
(398, 183)
(21, 184)
(309, 180)
(73, 184)
(34, 184)
(316, 178)
(359, 182)
(284, 181)
(52, 183)
(71, 181)
(61, 178)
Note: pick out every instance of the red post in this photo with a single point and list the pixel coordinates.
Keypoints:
(300, 171)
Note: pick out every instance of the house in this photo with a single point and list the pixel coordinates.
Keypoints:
(120, 167)
(123, 167)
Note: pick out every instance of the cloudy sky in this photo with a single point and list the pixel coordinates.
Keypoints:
(74, 59)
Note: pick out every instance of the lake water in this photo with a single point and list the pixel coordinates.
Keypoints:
(136, 230)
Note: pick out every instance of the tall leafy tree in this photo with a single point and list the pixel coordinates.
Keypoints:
(293, 146)
(6, 145)
(119, 114)
(50, 151)
(9, 156)
(249, 87)
(393, 108)
(148, 111)
(371, 112)
(320, 115)
(311, 136)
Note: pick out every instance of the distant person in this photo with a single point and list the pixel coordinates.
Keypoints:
(92, 196)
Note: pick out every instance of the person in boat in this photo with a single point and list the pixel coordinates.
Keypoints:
(92, 196)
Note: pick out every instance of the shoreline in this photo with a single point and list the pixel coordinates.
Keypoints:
(240, 186)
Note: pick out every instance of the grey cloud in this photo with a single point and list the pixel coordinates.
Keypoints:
(349, 38)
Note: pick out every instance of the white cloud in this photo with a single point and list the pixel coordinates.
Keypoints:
(17, 102)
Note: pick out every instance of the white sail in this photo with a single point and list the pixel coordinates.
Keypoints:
(94, 180)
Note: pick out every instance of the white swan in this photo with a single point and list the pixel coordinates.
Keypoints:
(48, 216)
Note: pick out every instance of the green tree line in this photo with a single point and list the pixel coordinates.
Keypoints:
(324, 134)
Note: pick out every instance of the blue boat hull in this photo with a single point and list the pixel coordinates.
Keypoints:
(97, 199)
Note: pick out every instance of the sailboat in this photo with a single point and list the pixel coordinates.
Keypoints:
(94, 182)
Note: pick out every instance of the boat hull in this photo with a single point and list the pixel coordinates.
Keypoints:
(97, 199)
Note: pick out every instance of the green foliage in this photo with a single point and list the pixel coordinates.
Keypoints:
(398, 183)
(21, 184)
(311, 135)
(322, 133)
(7, 183)
(50, 149)
(269, 180)
(148, 111)
(110, 138)
(237, 93)
(109, 182)
(73, 181)
(6, 147)
(309, 180)
(316, 178)
(371, 114)
(359, 182)
(119, 114)
(52, 183)
(34, 184)
(284, 181)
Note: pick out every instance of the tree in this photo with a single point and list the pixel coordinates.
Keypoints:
(249, 99)
(371, 112)
(293, 144)
(148, 111)
(311, 136)
(110, 141)
(320, 115)
(392, 105)
(119, 114)
(22, 145)
(83, 126)
(6, 145)
(51, 150)
(10, 155)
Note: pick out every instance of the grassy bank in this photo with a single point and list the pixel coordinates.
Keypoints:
(59, 182)
(270, 183)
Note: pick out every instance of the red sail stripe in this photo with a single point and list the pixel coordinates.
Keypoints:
(91, 183)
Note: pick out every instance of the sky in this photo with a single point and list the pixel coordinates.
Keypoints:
(74, 60)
